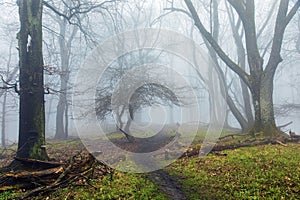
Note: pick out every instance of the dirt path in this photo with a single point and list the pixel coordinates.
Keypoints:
(168, 184)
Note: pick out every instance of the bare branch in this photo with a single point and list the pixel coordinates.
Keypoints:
(9, 85)
(179, 10)
(239, 6)
(267, 20)
(232, 65)
(77, 9)
(281, 23)
(292, 12)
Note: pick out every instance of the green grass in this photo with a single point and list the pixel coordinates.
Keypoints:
(263, 172)
(8, 195)
(123, 186)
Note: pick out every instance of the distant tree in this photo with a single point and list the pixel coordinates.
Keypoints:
(144, 96)
(6, 77)
(298, 39)
(215, 29)
(71, 17)
(65, 38)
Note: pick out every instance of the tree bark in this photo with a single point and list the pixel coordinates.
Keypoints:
(32, 109)
(264, 117)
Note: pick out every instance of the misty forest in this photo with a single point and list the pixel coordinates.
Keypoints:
(150, 99)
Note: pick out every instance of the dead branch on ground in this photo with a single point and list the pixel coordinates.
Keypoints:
(81, 168)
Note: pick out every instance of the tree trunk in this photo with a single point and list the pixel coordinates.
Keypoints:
(264, 121)
(32, 109)
(260, 79)
(267, 121)
(3, 123)
(127, 126)
(127, 131)
(215, 26)
(61, 133)
(61, 109)
(67, 120)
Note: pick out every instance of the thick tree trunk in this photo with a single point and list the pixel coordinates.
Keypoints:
(264, 121)
(32, 110)
(267, 109)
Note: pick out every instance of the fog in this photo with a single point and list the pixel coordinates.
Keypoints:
(100, 25)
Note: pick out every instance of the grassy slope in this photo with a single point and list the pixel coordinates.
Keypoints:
(123, 186)
(263, 172)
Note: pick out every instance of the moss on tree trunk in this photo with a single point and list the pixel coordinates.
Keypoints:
(32, 109)
(264, 123)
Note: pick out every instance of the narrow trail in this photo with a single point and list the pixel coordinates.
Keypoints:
(168, 184)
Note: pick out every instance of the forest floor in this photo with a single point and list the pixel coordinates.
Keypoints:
(268, 171)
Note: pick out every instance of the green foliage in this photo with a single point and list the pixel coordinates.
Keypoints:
(263, 172)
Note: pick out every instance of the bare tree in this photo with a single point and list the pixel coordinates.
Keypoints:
(144, 96)
(9, 74)
(32, 106)
(260, 79)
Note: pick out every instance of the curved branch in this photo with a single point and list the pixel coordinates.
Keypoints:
(239, 6)
(179, 10)
(282, 21)
(232, 65)
(292, 12)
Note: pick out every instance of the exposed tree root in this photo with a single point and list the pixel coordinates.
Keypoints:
(80, 169)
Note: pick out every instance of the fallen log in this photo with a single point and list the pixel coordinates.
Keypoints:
(30, 174)
(248, 143)
(46, 164)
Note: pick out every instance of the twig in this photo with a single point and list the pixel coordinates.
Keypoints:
(279, 142)
(284, 125)
(231, 135)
